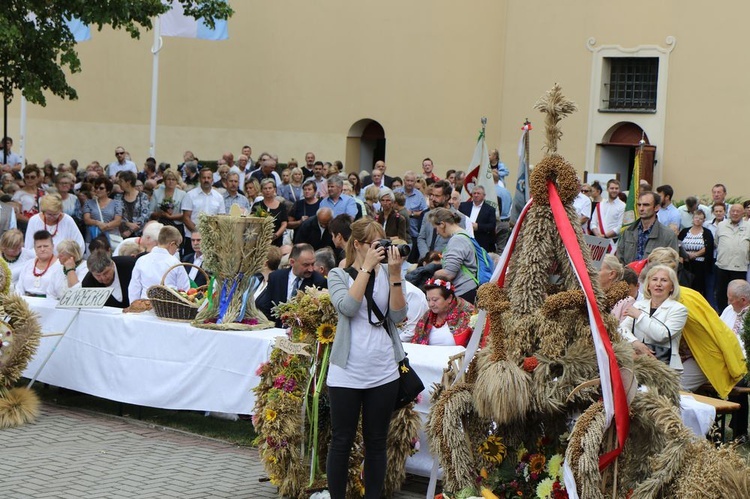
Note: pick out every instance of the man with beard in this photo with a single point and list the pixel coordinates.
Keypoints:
(284, 284)
(643, 237)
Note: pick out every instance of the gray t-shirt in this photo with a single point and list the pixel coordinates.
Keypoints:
(460, 251)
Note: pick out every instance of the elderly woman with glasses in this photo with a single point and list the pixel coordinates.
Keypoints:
(448, 320)
(52, 219)
(69, 270)
(102, 215)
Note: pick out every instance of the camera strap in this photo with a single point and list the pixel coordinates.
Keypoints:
(372, 307)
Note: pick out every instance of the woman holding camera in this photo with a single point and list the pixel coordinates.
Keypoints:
(459, 258)
(363, 374)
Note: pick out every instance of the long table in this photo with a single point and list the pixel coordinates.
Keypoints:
(142, 360)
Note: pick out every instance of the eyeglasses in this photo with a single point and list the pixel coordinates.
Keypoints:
(585, 191)
(101, 188)
(119, 153)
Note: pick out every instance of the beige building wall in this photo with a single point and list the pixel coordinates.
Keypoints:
(706, 109)
(295, 76)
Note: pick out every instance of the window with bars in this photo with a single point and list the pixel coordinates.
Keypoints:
(632, 84)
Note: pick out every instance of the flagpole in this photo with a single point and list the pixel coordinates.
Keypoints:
(22, 131)
(641, 143)
(155, 49)
(527, 156)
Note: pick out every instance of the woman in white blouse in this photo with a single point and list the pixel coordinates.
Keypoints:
(68, 271)
(52, 219)
(35, 276)
(13, 252)
(654, 324)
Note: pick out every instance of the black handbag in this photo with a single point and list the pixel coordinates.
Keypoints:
(662, 353)
(410, 385)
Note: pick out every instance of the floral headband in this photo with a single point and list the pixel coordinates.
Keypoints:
(441, 283)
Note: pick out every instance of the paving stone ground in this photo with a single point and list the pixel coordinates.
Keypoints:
(71, 453)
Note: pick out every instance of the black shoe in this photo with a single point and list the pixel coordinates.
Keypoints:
(741, 440)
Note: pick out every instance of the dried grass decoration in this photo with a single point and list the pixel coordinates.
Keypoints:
(534, 377)
(19, 338)
(291, 414)
(235, 248)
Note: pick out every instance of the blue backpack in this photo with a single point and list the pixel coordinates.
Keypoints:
(485, 264)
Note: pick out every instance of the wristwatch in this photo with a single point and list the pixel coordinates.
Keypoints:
(362, 269)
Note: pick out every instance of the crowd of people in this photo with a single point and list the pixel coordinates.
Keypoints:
(122, 227)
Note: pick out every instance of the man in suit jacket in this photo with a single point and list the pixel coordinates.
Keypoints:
(482, 217)
(196, 259)
(283, 284)
(314, 231)
(381, 179)
(110, 272)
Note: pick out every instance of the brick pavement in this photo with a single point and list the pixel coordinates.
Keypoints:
(70, 453)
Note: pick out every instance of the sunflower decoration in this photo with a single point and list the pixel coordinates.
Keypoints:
(326, 333)
(493, 449)
(261, 212)
(537, 463)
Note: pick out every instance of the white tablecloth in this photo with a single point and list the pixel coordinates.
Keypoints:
(428, 362)
(139, 359)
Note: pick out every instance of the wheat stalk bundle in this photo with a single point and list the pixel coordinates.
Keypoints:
(235, 248)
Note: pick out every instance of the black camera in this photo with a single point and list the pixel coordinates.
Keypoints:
(403, 249)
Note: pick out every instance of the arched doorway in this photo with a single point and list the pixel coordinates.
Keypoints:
(365, 144)
(618, 150)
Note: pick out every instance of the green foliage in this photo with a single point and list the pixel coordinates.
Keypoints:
(37, 53)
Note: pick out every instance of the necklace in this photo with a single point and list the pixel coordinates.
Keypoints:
(56, 226)
(8, 260)
(38, 277)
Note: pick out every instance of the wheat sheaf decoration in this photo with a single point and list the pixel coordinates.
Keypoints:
(19, 338)
(555, 106)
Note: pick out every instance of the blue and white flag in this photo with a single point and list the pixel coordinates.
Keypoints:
(522, 188)
(175, 23)
(81, 32)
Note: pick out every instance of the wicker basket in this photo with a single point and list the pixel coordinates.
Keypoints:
(168, 303)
